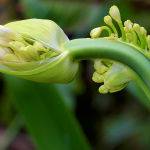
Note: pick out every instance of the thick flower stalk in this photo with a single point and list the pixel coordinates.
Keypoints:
(114, 75)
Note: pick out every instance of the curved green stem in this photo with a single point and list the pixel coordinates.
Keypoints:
(101, 48)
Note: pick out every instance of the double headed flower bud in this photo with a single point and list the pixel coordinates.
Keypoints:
(32, 49)
(35, 49)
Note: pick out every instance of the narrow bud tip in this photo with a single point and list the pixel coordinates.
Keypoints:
(136, 27)
(103, 89)
(108, 20)
(128, 24)
(97, 78)
(143, 31)
(96, 32)
(115, 13)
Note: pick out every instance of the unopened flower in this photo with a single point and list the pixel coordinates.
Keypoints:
(32, 49)
(115, 76)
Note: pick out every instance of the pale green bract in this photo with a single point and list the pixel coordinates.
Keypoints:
(32, 49)
(112, 75)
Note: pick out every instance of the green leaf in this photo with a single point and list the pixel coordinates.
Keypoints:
(139, 94)
(51, 124)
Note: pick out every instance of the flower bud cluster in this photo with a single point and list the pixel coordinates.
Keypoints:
(131, 33)
(33, 49)
(115, 76)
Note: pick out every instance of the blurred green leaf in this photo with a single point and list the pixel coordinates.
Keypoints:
(139, 94)
(49, 121)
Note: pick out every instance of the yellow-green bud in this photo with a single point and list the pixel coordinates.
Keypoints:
(99, 66)
(96, 32)
(98, 78)
(108, 20)
(136, 27)
(103, 90)
(143, 31)
(128, 24)
(115, 13)
(32, 49)
(114, 79)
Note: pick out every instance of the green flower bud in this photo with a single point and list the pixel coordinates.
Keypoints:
(115, 13)
(33, 49)
(96, 32)
(103, 90)
(115, 79)
(100, 66)
(142, 35)
(98, 78)
(143, 31)
(136, 27)
(128, 24)
(115, 76)
(108, 20)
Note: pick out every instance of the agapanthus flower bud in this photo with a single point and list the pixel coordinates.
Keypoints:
(143, 31)
(98, 78)
(96, 32)
(115, 76)
(114, 79)
(108, 20)
(32, 49)
(136, 27)
(115, 13)
(128, 24)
